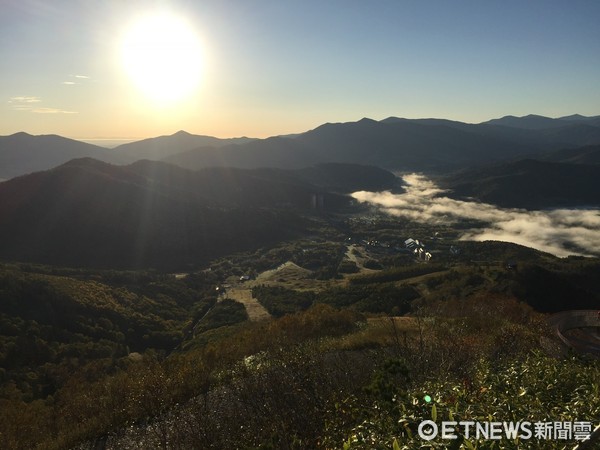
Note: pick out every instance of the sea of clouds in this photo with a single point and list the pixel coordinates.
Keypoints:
(561, 232)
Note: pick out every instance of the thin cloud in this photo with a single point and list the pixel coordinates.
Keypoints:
(24, 99)
(561, 232)
(52, 111)
(79, 79)
(31, 104)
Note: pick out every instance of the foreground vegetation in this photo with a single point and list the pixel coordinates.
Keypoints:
(151, 360)
(323, 378)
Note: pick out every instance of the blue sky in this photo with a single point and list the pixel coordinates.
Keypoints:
(275, 67)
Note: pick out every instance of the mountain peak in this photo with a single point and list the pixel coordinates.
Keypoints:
(392, 119)
(182, 133)
(574, 117)
(579, 118)
(366, 120)
(85, 162)
(21, 134)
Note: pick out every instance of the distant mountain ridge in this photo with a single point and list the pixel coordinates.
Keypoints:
(402, 146)
(520, 131)
(22, 153)
(535, 122)
(436, 145)
(395, 144)
(164, 146)
(579, 117)
(530, 122)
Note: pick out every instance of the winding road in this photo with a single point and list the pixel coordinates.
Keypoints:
(578, 329)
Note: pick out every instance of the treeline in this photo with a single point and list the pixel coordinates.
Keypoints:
(279, 301)
(382, 298)
(223, 313)
(52, 326)
(558, 285)
(143, 390)
(397, 274)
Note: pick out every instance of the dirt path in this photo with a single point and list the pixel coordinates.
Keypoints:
(254, 309)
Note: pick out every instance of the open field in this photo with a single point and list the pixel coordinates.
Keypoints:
(254, 309)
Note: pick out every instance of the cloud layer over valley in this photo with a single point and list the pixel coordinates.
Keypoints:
(561, 232)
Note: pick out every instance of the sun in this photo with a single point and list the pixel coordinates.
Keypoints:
(162, 56)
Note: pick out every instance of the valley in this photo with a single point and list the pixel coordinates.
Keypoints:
(352, 292)
(316, 305)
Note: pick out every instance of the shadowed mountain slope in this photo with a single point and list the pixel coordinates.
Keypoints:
(148, 214)
(583, 155)
(529, 184)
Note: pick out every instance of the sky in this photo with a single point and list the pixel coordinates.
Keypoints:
(561, 232)
(270, 67)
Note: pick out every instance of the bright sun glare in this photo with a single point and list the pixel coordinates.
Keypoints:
(162, 56)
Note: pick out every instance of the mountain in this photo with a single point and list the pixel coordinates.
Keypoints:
(274, 152)
(23, 153)
(535, 122)
(529, 184)
(151, 214)
(330, 177)
(594, 120)
(163, 146)
(348, 178)
(430, 145)
(536, 132)
(529, 122)
(582, 155)
(401, 145)
(544, 133)
(432, 121)
(433, 145)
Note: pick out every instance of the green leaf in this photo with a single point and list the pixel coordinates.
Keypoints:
(348, 444)
(433, 413)
(396, 446)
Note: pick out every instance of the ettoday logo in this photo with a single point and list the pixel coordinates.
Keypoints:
(524, 430)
